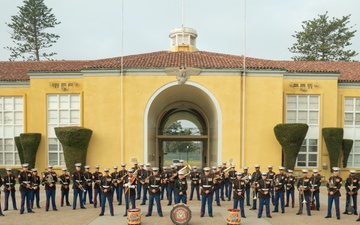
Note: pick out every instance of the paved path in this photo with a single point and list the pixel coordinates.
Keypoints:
(65, 215)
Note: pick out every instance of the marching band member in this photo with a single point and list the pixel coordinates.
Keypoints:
(248, 185)
(351, 187)
(49, 180)
(231, 178)
(263, 187)
(182, 165)
(180, 188)
(154, 192)
(140, 177)
(163, 176)
(217, 181)
(36, 189)
(106, 182)
(270, 176)
(279, 190)
(239, 186)
(225, 184)
(194, 177)
(78, 187)
(9, 188)
(115, 187)
(146, 184)
(315, 182)
(206, 188)
(256, 176)
(88, 185)
(221, 182)
(170, 184)
(65, 184)
(96, 177)
(1, 183)
(333, 186)
(290, 184)
(25, 181)
(129, 190)
(303, 187)
(122, 176)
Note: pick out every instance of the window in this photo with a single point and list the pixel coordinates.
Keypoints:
(63, 110)
(11, 125)
(305, 109)
(354, 157)
(352, 129)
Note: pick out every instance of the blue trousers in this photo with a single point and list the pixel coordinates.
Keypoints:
(279, 196)
(288, 194)
(247, 196)
(64, 194)
(336, 201)
(221, 190)
(145, 190)
(217, 197)
(307, 198)
(354, 200)
(97, 192)
(241, 203)
(121, 189)
(194, 187)
(180, 198)
(35, 198)
(7, 194)
(151, 203)
(115, 190)
(132, 201)
(25, 196)
(138, 190)
(78, 193)
(263, 201)
(272, 194)
(317, 200)
(50, 195)
(226, 186)
(206, 199)
(229, 190)
(162, 190)
(88, 190)
(254, 200)
(170, 191)
(103, 203)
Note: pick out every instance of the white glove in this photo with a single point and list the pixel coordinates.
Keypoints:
(132, 186)
(127, 185)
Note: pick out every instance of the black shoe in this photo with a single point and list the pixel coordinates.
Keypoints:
(269, 216)
(137, 198)
(68, 205)
(112, 214)
(5, 210)
(21, 212)
(309, 214)
(119, 203)
(275, 211)
(202, 215)
(286, 205)
(317, 209)
(252, 209)
(223, 199)
(101, 214)
(2, 214)
(355, 213)
(345, 213)
(190, 199)
(125, 214)
(147, 215)
(327, 217)
(218, 204)
(62, 205)
(282, 212)
(338, 218)
(55, 210)
(210, 215)
(248, 205)
(161, 215)
(83, 207)
(168, 204)
(31, 212)
(358, 220)
(259, 217)
(91, 202)
(142, 204)
(298, 213)
(243, 216)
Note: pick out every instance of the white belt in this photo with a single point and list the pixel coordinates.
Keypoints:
(195, 179)
(105, 186)
(154, 186)
(88, 180)
(265, 189)
(79, 181)
(65, 183)
(26, 182)
(207, 186)
(288, 184)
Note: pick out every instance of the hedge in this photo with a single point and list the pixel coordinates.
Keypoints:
(333, 137)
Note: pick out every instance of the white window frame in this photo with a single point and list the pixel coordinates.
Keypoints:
(352, 129)
(59, 114)
(10, 126)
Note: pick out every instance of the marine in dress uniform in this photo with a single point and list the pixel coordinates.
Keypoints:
(115, 185)
(206, 188)
(194, 178)
(231, 177)
(180, 188)
(248, 184)
(140, 177)
(145, 183)
(222, 182)
(351, 187)
(25, 181)
(238, 187)
(315, 182)
(64, 180)
(96, 177)
(35, 196)
(279, 190)
(333, 187)
(122, 175)
(78, 186)
(106, 183)
(263, 187)
(225, 184)
(49, 181)
(88, 185)
(270, 176)
(256, 176)
(154, 192)
(217, 182)
(130, 183)
(303, 187)
(290, 188)
(163, 176)
(1, 184)
(9, 182)
(170, 184)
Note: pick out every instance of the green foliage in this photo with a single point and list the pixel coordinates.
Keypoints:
(14, 172)
(30, 144)
(333, 137)
(20, 149)
(346, 149)
(290, 136)
(75, 142)
(323, 39)
(28, 31)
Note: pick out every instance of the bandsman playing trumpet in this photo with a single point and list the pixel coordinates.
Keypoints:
(351, 187)
(195, 184)
(206, 188)
(180, 188)
(9, 182)
(289, 186)
(77, 178)
(140, 177)
(173, 175)
(35, 196)
(333, 187)
(115, 187)
(232, 177)
(96, 176)
(279, 190)
(64, 179)
(238, 187)
(154, 192)
(122, 175)
(270, 176)
(303, 187)
(25, 181)
(315, 182)
(263, 187)
(217, 181)
(88, 185)
(225, 184)
(145, 182)
(248, 184)
(106, 183)
(256, 176)
(164, 176)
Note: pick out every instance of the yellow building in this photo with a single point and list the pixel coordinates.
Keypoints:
(130, 102)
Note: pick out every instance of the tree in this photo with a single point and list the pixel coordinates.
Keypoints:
(323, 39)
(29, 35)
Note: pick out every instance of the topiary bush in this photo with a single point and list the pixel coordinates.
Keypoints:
(75, 142)
(346, 149)
(20, 149)
(290, 136)
(30, 144)
(333, 137)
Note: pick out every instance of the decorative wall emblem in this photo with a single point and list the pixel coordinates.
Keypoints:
(182, 73)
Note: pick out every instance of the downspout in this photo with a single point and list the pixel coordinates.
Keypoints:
(243, 95)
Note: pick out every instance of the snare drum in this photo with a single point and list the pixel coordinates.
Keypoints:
(180, 214)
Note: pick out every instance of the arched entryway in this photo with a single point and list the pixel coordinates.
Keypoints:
(191, 102)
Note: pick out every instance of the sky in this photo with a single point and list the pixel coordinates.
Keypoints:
(97, 29)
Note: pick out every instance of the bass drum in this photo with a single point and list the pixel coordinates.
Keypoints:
(180, 214)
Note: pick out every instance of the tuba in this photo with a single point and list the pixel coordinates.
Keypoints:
(49, 178)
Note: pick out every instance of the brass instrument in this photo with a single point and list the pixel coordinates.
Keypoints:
(186, 169)
(146, 180)
(80, 186)
(121, 178)
(226, 171)
(276, 181)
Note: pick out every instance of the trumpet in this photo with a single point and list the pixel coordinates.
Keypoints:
(302, 192)
(80, 186)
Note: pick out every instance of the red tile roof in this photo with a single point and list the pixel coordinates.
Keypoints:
(13, 71)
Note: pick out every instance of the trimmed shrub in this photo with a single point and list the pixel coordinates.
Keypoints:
(20, 149)
(75, 142)
(14, 172)
(346, 149)
(30, 144)
(333, 137)
(290, 136)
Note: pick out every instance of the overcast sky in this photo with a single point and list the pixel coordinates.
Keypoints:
(91, 29)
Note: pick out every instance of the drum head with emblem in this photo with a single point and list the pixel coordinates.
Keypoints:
(180, 214)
